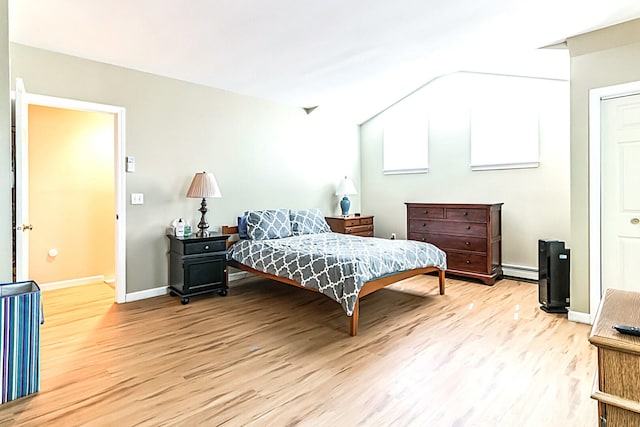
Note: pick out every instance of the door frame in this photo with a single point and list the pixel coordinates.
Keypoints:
(596, 96)
(119, 176)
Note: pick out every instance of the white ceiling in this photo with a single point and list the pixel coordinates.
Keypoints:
(350, 57)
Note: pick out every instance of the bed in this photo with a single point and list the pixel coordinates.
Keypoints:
(303, 252)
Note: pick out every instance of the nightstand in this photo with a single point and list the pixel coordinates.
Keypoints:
(354, 225)
(197, 265)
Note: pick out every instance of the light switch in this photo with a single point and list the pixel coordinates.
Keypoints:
(137, 199)
(131, 164)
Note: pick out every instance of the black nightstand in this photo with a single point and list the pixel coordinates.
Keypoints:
(198, 265)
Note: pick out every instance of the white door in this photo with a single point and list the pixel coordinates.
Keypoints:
(620, 208)
(22, 182)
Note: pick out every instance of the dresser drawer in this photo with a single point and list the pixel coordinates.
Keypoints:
(463, 243)
(463, 214)
(364, 234)
(466, 262)
(426, 212)
(366, 221)
(196, 247)
(358, 229)
(447, 227)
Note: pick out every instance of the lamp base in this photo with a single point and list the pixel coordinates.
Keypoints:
(203, 225)
(345, 204)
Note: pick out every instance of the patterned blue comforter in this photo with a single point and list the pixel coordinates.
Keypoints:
(338, 265)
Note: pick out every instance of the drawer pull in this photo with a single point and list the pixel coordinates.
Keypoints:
(468, 227)
(206, 248)
(468, 262)
(423, 239)
(424, 224)
(465, 214)
(467, 243)
(426, 212)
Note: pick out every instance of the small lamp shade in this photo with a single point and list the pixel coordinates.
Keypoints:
(345, 187)
(202, 186)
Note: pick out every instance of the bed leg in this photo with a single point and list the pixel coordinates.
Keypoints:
(441, 281)
(353, 320)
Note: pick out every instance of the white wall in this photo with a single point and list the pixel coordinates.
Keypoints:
(606, 57)
(264, 155)
(536, 200)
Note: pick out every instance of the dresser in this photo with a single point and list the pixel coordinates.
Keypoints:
(355, 225)
(197, 265)
(617, 381)
(470, 234)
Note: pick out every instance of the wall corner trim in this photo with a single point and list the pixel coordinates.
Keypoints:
(578, 317)
(147, 293)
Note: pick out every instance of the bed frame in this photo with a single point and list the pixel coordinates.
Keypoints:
(367, 288)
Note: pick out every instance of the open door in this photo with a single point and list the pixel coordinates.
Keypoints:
(22, 182)
(23, 226)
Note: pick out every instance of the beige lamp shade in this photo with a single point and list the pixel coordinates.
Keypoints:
(346, 187)
(204, 185)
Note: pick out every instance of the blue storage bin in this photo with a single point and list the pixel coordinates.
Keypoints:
(20, 319)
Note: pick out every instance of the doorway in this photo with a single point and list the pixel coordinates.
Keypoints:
(22, 102)
(71, 197)
(620, 165)
(597, 98)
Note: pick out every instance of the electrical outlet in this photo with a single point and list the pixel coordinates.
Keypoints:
(137, 199)
(393, 236)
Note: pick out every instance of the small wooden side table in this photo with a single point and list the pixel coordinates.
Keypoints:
(354, 225)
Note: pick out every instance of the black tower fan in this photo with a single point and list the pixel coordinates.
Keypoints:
(553, 276)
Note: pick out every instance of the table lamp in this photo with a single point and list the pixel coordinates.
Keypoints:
(203, 185)
(345, 188)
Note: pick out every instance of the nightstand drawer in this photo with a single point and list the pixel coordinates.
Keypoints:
(192, 248)
(358, 229)
(351, 222)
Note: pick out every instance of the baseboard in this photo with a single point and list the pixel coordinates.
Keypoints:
(578, 317)
(163, 290)
(520, 272)
(71, 283)
(147, 293)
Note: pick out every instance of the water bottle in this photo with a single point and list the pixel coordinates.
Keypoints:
(180, 228)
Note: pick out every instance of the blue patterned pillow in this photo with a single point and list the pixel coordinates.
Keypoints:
(268, 224)
(308, 221)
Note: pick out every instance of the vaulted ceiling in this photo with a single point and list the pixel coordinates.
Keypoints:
(350, 57)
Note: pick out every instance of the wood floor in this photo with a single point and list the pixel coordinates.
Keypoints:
(272, 355)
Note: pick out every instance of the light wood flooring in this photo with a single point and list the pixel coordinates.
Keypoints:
(272, 355)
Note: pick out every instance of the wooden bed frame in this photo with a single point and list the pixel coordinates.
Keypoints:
(367, 288)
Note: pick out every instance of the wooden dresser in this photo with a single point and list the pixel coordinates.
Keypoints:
(617, 381)
(356, 225)
(470, 234)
